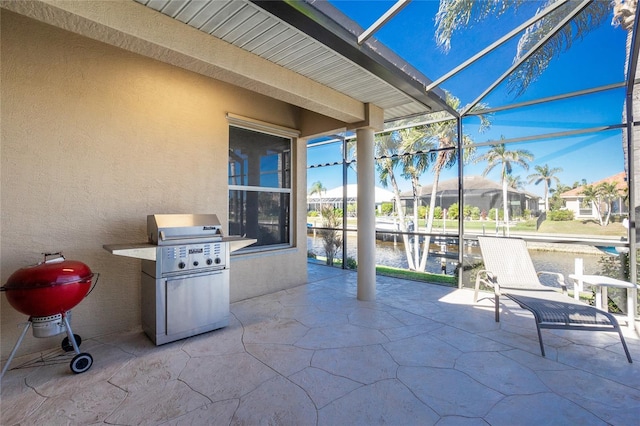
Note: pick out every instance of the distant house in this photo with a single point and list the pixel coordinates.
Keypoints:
(575, 200)
(334, 197)
(478, 192)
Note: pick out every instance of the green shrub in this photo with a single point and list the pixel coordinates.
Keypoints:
(475, 213)
(560, 215)
(312, 213)
(492, 214)
(453, 211)
(387, 208)
(527, 214)
(422, 211)
(351, 263)
(467, 211)
(437, 213)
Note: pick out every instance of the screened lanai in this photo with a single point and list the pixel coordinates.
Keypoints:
(543, 96)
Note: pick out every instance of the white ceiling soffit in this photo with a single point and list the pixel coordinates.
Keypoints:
(307, 41)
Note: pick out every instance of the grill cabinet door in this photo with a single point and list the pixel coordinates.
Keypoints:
(195, 302)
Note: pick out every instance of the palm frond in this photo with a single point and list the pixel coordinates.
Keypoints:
(453, 15)
(586, 21)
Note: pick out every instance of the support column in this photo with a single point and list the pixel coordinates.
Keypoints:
(366, 215)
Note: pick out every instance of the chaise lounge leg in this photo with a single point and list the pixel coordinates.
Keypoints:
(540, 339)
(624, 345)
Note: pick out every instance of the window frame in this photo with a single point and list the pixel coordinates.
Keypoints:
(281, 132)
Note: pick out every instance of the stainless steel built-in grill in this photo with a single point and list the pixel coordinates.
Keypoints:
(185, 290)
(185, 274)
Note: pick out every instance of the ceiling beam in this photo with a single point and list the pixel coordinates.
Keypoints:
(373, 56)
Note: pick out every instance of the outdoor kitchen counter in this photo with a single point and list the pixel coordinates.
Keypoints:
(148, 251)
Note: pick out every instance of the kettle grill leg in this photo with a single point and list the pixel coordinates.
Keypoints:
(70, 335)
(15, 348)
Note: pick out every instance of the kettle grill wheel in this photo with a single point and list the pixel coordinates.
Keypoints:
(81, 363)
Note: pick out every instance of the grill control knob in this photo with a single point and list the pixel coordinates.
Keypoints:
(209, 261)
(218, 260)
(195, 263)
(181, 265)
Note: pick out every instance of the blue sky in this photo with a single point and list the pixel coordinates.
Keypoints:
(596, 60)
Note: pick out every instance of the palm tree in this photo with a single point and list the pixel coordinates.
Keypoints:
(444, 138)
(515, 182)
(555, 201)
(592, 195)
(433, 145)
(608, 193)
(387, 150)
(498, 154)
(546, 175)
(318, 188)
(454, 15)
(414, 140)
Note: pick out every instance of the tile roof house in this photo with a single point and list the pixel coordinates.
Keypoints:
(478, 192)
(575, 198)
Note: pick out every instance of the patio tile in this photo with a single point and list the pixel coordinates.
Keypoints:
(613, 402)
(423, 350)
(461, 421)
(313, 354)
(449, 392)
(340, 336)
(285, 359)
(150, 371)
(534, 361)
(384, 402)
(18, 401)
(274, 331)
(51, 380)
(156, 405)
(227, 340)
(216, 413)
(323, 387)
(276, 402)
(500, 373)
(373, 318)
(399, 333)
(540, 409)
(315, 318)
(85, 405)
(467, 342)
(363, 364)
(225, 376)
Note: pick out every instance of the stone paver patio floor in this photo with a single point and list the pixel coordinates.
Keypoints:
(314, 355)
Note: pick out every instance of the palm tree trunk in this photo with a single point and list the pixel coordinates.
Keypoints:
(429, 225)
(504, 204)
(416, 238)
(546, 196)
(403, 225)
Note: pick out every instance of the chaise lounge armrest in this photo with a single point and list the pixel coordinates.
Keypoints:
(559, 279)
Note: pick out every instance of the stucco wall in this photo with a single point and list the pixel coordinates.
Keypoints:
(93, 140)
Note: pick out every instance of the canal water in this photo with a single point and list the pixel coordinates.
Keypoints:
(390, 254)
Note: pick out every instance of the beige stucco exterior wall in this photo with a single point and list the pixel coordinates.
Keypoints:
(94, 139)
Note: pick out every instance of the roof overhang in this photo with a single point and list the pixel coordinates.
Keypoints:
(286, 50)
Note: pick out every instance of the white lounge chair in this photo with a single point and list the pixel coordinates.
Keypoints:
(510, 272)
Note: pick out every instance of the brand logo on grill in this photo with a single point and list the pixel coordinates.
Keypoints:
(208, 228)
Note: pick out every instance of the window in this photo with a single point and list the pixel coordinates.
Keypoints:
(260, 186)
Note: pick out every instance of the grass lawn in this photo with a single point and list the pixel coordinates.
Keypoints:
(577, 227)
(426, 277)
(582, 227)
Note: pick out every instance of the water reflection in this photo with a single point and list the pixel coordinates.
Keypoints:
(390, 254)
